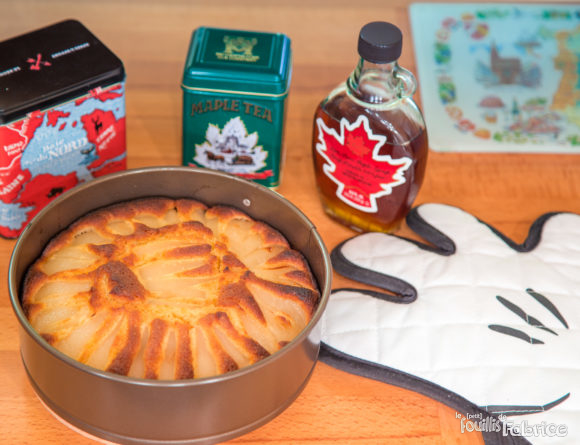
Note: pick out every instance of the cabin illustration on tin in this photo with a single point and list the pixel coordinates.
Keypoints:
(231, 149)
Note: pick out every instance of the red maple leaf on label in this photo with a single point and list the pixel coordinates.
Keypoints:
(353, 162)
(357, 144)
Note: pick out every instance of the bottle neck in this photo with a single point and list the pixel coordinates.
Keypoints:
(380, 83)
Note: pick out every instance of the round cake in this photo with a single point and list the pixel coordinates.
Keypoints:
(159, 288)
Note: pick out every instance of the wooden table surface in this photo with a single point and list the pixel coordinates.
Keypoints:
(151, 37)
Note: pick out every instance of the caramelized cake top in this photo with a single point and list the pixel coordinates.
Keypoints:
(169, 289)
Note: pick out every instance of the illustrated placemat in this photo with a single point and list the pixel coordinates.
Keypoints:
(499, 77)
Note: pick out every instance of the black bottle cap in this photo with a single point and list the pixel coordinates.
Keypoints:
(380, 42)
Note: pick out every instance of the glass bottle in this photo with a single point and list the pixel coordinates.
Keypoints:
(369, 141)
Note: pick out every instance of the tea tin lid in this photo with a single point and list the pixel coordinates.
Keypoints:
(51, 65)
(232, 61)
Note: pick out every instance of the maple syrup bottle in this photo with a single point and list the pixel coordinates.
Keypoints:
(369, 141)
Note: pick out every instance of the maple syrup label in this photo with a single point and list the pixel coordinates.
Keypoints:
(353, 161)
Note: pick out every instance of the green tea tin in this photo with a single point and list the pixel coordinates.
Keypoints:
(235, 85)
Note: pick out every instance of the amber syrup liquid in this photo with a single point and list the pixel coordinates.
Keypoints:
(405, 137)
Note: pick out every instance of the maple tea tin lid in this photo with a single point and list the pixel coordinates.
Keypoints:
(52, 65)
(226, 60)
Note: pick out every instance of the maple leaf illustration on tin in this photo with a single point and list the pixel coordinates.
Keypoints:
(363, 175)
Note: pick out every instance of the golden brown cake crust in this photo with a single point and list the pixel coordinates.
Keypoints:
(169, 289)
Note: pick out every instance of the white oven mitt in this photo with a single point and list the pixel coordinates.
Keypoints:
(476, 321)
